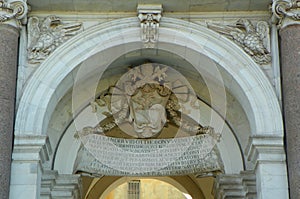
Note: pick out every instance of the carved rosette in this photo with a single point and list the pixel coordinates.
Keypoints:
(13, 10)
(286, 9)
(149, 16)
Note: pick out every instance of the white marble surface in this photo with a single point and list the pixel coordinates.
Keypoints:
(247, 83)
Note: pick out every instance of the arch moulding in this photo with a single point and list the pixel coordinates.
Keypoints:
(247, 82)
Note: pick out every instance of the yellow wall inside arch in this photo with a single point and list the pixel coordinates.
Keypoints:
(149, 189)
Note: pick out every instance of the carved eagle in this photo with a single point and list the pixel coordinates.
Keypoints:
(250, 38)
(45, 37)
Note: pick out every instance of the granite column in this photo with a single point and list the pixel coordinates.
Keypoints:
(10, 14)
(290, 60)
(288, 14)
(8, 69)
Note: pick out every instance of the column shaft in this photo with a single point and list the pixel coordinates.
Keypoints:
(8, 69)
(290, 66)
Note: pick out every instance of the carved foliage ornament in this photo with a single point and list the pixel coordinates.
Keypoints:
(45, 36)
(149, 16)
(286, 8)
(253, 39)
(13, 9)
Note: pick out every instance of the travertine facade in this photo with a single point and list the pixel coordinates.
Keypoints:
(70, 70)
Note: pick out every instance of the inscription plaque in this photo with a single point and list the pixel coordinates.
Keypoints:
(102, 155)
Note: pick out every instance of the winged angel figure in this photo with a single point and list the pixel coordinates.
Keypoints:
(250, 38)
(45, 37)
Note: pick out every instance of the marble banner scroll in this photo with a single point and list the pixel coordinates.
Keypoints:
(102, 155)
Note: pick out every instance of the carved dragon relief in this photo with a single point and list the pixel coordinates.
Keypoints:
(253, 39)
(148, 102)
(46, 35)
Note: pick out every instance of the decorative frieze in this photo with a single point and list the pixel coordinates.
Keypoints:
(149, 16)
(46, 35)
(254, 39)
(16, 9)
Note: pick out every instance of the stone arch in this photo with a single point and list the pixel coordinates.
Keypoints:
(182, 183)
(248, 83)
(245, 80)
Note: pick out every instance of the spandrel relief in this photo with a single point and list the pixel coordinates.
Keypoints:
(45, 35)
(254, 39)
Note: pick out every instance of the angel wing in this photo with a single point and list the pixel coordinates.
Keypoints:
(33, 31)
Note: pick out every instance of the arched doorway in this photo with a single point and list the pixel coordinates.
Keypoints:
(241, 79)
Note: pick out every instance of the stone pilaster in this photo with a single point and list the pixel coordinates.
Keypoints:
(60, 186)
(288, 14)
(30, 153)
(241, 186)
(10, 13)
(268, 157)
